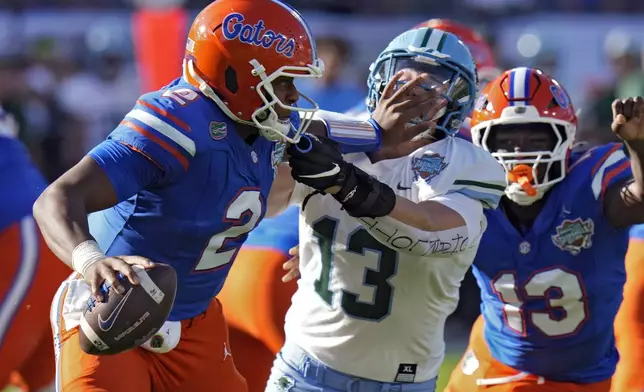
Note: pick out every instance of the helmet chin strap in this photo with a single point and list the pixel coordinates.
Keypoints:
(275, 127)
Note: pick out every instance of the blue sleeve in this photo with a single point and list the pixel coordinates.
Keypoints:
(353, 135)
(158, 129)
(129, 171)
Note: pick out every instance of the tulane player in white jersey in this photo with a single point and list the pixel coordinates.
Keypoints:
(385, 243)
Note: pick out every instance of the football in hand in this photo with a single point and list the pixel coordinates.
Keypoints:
(123, 322)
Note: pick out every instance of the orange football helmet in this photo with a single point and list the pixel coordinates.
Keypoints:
(526, 96)
(480, 49)
(237, 48)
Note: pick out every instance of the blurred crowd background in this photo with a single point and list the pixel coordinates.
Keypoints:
(68, 71)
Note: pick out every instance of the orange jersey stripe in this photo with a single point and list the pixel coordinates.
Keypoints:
(164, 113)
(175, 153)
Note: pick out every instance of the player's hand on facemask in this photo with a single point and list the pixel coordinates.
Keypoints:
(628, 118)
(108, 270)
(397, 107)
(316, 162)
(292, 265)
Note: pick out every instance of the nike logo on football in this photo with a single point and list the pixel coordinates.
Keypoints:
(106, 325)
(328, 173)
(403, 188)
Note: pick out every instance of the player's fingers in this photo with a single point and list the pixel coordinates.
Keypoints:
(294, 251)
(111, 278)
(618, 107)
(413, 101)
(138, 260)
(126, 269)
(290, 264)
(618, 121)
(628, 108)
(390, 88)
(95, 284)
(403, 92)
(293, 273)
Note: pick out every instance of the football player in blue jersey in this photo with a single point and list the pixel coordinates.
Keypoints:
(182, 180)
(551, 263)
(29, 271)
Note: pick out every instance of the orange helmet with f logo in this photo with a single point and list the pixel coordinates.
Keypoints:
(237, 48)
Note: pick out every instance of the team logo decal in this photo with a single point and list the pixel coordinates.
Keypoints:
(480, 101)
(560, 96)
(574, 235)
(428, 166)
(234, 28)
(277, 155)
(218, 130)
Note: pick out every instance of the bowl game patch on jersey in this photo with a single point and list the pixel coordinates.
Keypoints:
(574, 235)
(277, 155)
(428, 166)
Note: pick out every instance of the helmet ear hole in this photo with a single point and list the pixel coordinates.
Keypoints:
(231, 79)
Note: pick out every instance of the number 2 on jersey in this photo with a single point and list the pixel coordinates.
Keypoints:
(182, 96)
(570, 301)
(218, 252)
(358, 242)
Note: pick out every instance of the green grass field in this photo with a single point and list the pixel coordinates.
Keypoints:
(451, 360)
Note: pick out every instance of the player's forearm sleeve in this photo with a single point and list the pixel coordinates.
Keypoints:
(352, 134)
(129, 171)
(407, 239)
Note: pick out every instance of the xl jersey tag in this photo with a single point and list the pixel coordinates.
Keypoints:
(406, 372)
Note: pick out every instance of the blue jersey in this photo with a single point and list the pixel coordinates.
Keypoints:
(20, 182)
(278, 233)
(550, 295)
(190, 190)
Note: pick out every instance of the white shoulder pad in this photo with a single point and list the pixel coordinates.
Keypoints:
(456, 165)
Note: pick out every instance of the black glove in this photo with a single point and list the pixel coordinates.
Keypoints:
(318, 163)
(315, 162)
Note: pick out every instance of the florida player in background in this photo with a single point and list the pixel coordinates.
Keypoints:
(381, 260)
(629, 324)
(550, 265)
(182, 180)
(29, 272)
